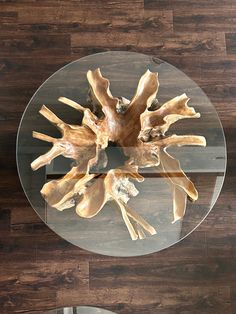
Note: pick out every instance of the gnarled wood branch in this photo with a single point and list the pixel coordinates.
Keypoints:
(139, 128)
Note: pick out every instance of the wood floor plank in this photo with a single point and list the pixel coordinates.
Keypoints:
(233, 296)
(8, 17)
(40, 270)
(23, 215)
(151, 42)
(156, 299)
(81, 12)
(198, 271)
(22, 71)
(199, 20)
(230, 43)
(77, 21)
(189, 5)
(221, 242)
(37, 45)
(17, 249)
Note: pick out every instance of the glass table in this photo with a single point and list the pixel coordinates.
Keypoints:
(79, 310)
(106, 233)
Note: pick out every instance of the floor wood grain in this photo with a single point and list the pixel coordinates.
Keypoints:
(41, 271)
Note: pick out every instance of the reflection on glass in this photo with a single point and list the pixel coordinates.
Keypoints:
(79, 310)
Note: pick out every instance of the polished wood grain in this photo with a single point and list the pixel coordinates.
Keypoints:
(41, 271)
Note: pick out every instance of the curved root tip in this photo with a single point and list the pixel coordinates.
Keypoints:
(71, 103)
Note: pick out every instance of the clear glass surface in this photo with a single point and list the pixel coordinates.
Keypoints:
(106, 233)
(79, 310)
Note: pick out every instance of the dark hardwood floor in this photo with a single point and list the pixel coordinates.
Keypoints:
(39, 270)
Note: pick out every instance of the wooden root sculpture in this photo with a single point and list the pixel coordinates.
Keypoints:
(138, 127)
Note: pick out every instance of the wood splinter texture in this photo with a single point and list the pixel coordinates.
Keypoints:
(139, 129)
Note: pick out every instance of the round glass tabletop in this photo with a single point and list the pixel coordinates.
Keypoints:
(97, 207)
(79, 310)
